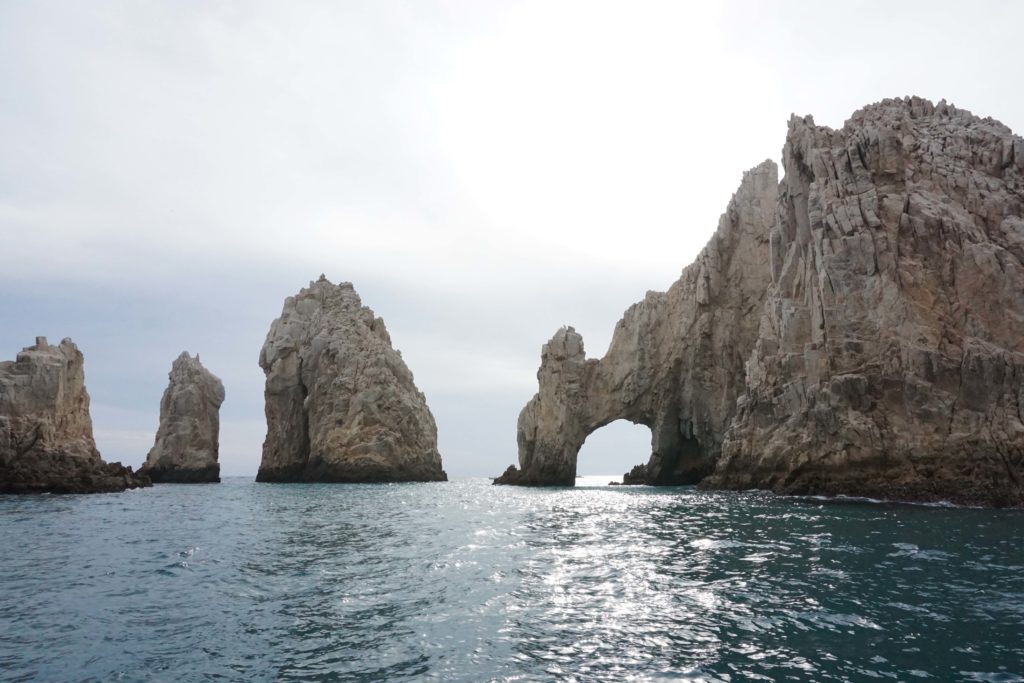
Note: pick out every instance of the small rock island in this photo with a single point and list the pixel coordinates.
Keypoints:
(856, 329)
(187, 440)
(340, 402)
(46, 439)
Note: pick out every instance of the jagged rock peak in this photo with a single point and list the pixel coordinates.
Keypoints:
(341, 404)
(187, 441)
(46, 438)
(890, 359)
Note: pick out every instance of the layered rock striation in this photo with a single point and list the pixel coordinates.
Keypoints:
(187, 440)
(46, 439)
(872, 342)
(341, 404)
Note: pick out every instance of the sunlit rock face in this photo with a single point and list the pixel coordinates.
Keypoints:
(187, 440)
(341, 404)
(46, 440)
(890, 358)
(675, 362)
(870, 340)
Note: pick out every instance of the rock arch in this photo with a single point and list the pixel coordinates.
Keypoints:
(858, 330)
(675, 363)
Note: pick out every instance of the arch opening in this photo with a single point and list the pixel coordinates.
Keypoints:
(612, 450)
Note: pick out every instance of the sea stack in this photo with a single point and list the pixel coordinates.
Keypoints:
(341, 404)
(187, 440)
(46, 440)
(857, 329)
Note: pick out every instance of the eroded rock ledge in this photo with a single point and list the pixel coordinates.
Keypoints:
(341, 404)
(188, 438)
(46, 440)
(857, 329)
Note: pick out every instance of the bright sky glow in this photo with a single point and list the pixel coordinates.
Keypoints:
(482, 172)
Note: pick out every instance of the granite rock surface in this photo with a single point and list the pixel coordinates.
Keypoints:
(341, 404)
(856, 329)
(675, 363)
(46, 438)
(187, 440)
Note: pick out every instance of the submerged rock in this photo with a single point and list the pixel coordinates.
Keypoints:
(187, 440)
(46, 440)
(341, 404)
(859, 330)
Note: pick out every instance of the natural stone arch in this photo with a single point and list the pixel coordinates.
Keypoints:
(675, 363)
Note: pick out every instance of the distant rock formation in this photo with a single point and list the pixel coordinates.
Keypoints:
(341, 404)
(46, 441)
(887, 356)
(187, 440)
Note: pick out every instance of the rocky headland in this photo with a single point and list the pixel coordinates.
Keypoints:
(856, 329)
(187, 440)
(46, 439)
(341, 404)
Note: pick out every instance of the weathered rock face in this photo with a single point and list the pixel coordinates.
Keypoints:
(675, 362)
(187, 440)
(46, 441)
(341, 404)
(888, 359)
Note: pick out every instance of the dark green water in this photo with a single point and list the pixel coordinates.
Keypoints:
(469, 582)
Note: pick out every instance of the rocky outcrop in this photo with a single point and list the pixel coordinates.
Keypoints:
(675, 363)
(341, 404)
(46, 441)
(884, 352)
(890, 358)
(187, 440)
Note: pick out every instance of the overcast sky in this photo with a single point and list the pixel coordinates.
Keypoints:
(482, 172)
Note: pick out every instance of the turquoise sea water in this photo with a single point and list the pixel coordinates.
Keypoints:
(469, 582)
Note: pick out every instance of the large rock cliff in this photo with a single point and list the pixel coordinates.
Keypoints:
(187, 440)
(341, 404)
(46, 441)
(884, 351)
(890, 358)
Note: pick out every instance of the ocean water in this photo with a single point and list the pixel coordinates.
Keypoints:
(469, 582)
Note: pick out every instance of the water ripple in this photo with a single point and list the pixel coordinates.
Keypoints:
(469, 582)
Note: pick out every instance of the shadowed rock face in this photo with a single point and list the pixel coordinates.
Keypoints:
(341, 404)
(187, 440)
(675, 362)
(884, 354)
(46, 441)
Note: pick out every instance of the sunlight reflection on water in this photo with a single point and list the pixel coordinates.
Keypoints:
(469, 582)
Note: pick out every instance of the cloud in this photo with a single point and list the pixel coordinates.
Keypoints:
(482, 173)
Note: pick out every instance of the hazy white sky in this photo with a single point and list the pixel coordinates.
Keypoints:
(482, 172)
